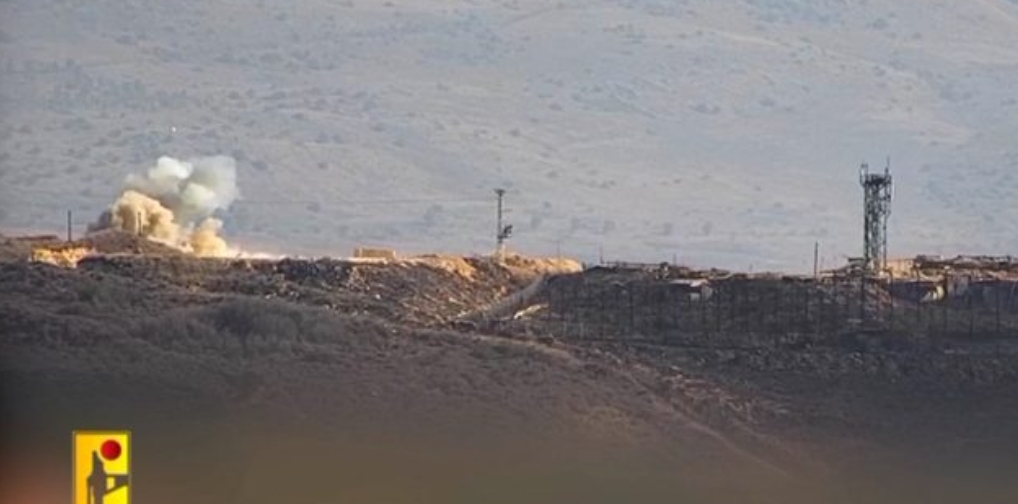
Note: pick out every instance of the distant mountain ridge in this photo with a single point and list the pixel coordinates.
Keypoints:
(724, 134)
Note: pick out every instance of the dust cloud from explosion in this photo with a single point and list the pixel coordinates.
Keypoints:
(174, 202)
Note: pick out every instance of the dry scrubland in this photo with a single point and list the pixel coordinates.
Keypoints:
(382, 382)
(732, 131)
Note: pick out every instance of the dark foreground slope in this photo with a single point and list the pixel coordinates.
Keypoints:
(239, 398)
(316, 382)
(881, 388)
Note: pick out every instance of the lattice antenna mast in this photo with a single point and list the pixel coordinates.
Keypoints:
(877, 194)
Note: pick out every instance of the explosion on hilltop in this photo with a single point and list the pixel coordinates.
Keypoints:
(174, 202)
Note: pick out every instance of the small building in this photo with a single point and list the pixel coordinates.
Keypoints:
(374, 253)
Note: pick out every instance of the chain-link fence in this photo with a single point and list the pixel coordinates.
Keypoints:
(590, 307)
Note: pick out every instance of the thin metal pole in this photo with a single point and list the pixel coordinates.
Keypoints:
(498, 230)
(816, 259)
(70, 236)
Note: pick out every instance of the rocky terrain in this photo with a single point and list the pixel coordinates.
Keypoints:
(330, 380)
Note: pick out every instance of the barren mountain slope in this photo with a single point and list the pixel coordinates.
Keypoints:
(731, 131)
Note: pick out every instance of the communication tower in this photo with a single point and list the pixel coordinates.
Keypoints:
(877, 194)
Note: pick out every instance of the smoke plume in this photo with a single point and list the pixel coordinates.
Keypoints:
(174, 202)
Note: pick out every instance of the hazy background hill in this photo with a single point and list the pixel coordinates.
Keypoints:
(724, 133)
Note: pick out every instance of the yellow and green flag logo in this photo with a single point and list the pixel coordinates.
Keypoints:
(102, 467)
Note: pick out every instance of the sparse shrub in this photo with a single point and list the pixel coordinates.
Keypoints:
(104, 295)
(182, 332)
(260, 323)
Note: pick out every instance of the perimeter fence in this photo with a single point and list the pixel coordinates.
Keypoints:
(684, 311)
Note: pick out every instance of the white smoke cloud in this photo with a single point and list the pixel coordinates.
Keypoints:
(174, 203)
(193, 189)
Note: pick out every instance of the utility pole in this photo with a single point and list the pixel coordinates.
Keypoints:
(70, 236)
(503, 231)
(816, 259)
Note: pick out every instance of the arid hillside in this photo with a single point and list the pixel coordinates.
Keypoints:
(441, 379)
(731, 131)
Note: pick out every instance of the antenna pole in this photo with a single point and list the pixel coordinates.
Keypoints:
(499, 233)
(816, 259)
